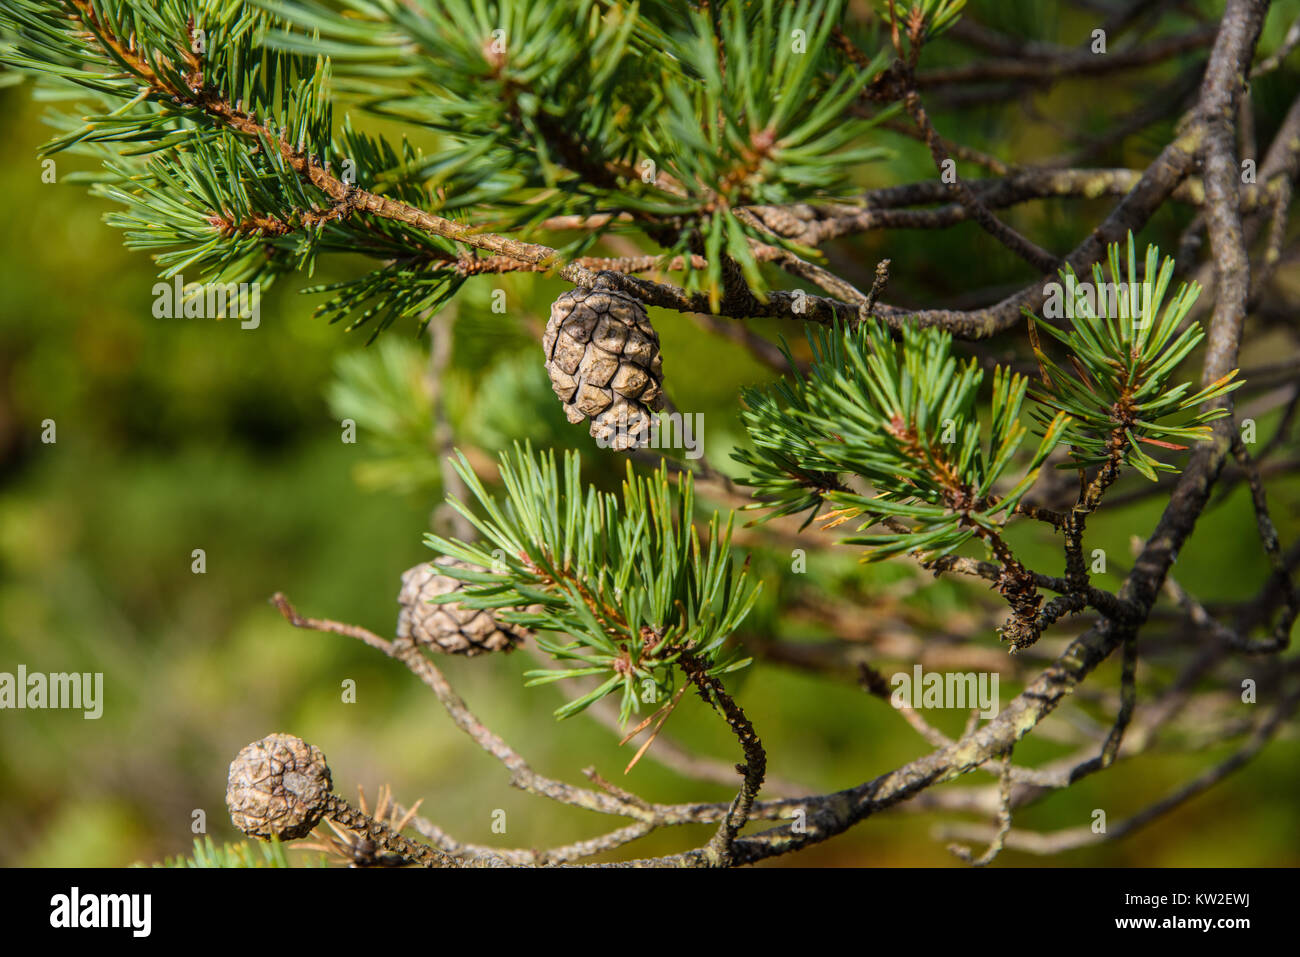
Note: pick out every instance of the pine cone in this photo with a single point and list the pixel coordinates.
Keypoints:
(603, 358)
(278, 787)
(452, 627)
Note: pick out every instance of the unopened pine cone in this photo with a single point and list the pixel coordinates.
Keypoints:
(449, 627)
(278, 787)
(603, 358)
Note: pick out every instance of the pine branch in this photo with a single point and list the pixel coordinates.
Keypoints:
(628, 586)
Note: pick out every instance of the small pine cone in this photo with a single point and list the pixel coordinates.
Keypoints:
(278, 787)
(603, 358)
(451, 627)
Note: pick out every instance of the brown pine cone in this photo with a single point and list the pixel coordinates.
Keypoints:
(603, 358)
(279, 786)
(449, 627)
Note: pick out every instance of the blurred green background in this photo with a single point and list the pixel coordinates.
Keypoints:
(178, 434)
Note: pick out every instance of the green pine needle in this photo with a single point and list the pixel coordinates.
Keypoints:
(900, 418)
(1123, 350)
(616, 586)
